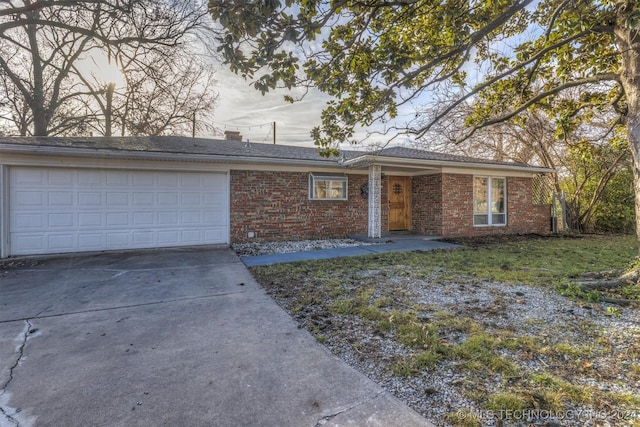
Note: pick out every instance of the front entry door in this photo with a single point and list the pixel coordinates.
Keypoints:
(399, 203)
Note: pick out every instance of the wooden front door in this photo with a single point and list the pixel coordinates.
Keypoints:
(399, 203)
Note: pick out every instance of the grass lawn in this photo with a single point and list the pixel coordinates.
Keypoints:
(471, 336)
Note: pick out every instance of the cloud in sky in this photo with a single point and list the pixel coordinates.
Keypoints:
(243, 108)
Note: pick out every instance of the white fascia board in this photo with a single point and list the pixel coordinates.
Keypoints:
(92, 160)
(364, 161)
(66, 161)
(148, 155)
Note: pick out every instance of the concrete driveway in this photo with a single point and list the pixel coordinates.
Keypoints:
(173, 337)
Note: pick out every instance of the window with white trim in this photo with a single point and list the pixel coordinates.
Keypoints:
(327, 186)
(489, 201)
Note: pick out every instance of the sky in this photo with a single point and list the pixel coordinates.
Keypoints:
(242, 108)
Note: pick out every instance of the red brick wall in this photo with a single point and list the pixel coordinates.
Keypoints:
(522, 216)
(526, 217)
(276, 206)
(426, 197)
(457, 205)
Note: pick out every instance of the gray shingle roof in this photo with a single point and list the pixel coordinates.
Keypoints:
(414, 153)
(174, 144)
(229, 149)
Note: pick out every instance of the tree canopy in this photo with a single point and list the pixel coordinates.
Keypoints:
(471, 64)
(502, 57)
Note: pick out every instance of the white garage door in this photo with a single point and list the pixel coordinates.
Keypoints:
(73, 210)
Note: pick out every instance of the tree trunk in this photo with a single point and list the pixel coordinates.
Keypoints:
(108, 113)
(633, 128)
(37, 103)
(628, 41)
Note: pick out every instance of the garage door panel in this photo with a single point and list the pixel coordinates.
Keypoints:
(91, 241)
(69, 210)
(143, 238)
(144, 219)
(191, 236)
(89, 199)
(61, 177)
(29, 244)
(191, 218)
(168, 199)
(191, 199)
(118, 178)
(116, 240)
(92, 220)
(29, 176)
(168, 238)
(29, 198)
(214, 221)
(61, 220)
(30, 221)
(143, 199)
(60, 198)
(214, 234)
(167, 218)
(141, 179)
(90, 178)
(117, 199)
(190, 181)
(61, 242)
(167, 181)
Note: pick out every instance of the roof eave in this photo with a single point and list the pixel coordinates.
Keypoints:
(159, 156)
(367, 160)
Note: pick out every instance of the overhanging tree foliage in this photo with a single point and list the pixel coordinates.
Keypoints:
(499, 57)
(592, 161)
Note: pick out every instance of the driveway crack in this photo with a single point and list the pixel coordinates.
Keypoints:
(325, 419)
(20, 354)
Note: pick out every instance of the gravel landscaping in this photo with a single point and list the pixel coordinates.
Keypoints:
(465, 351)
(264, 248)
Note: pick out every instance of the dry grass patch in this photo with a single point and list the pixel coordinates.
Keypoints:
(487, 328)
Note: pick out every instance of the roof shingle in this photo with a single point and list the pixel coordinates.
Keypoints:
(240, 150)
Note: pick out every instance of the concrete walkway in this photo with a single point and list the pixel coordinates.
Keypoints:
(181, 337)
(397, 244)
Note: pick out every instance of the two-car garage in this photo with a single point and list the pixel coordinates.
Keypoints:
(76, 209)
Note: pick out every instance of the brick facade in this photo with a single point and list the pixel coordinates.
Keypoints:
(443, 206)
(426, 196)
(276, 206)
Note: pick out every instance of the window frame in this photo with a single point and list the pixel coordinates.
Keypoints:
(489, 202)
(330, 179)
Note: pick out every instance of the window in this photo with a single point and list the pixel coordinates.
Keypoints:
(489, 197)
(327, 186)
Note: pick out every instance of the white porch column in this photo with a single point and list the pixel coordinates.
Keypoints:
(375, 199)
